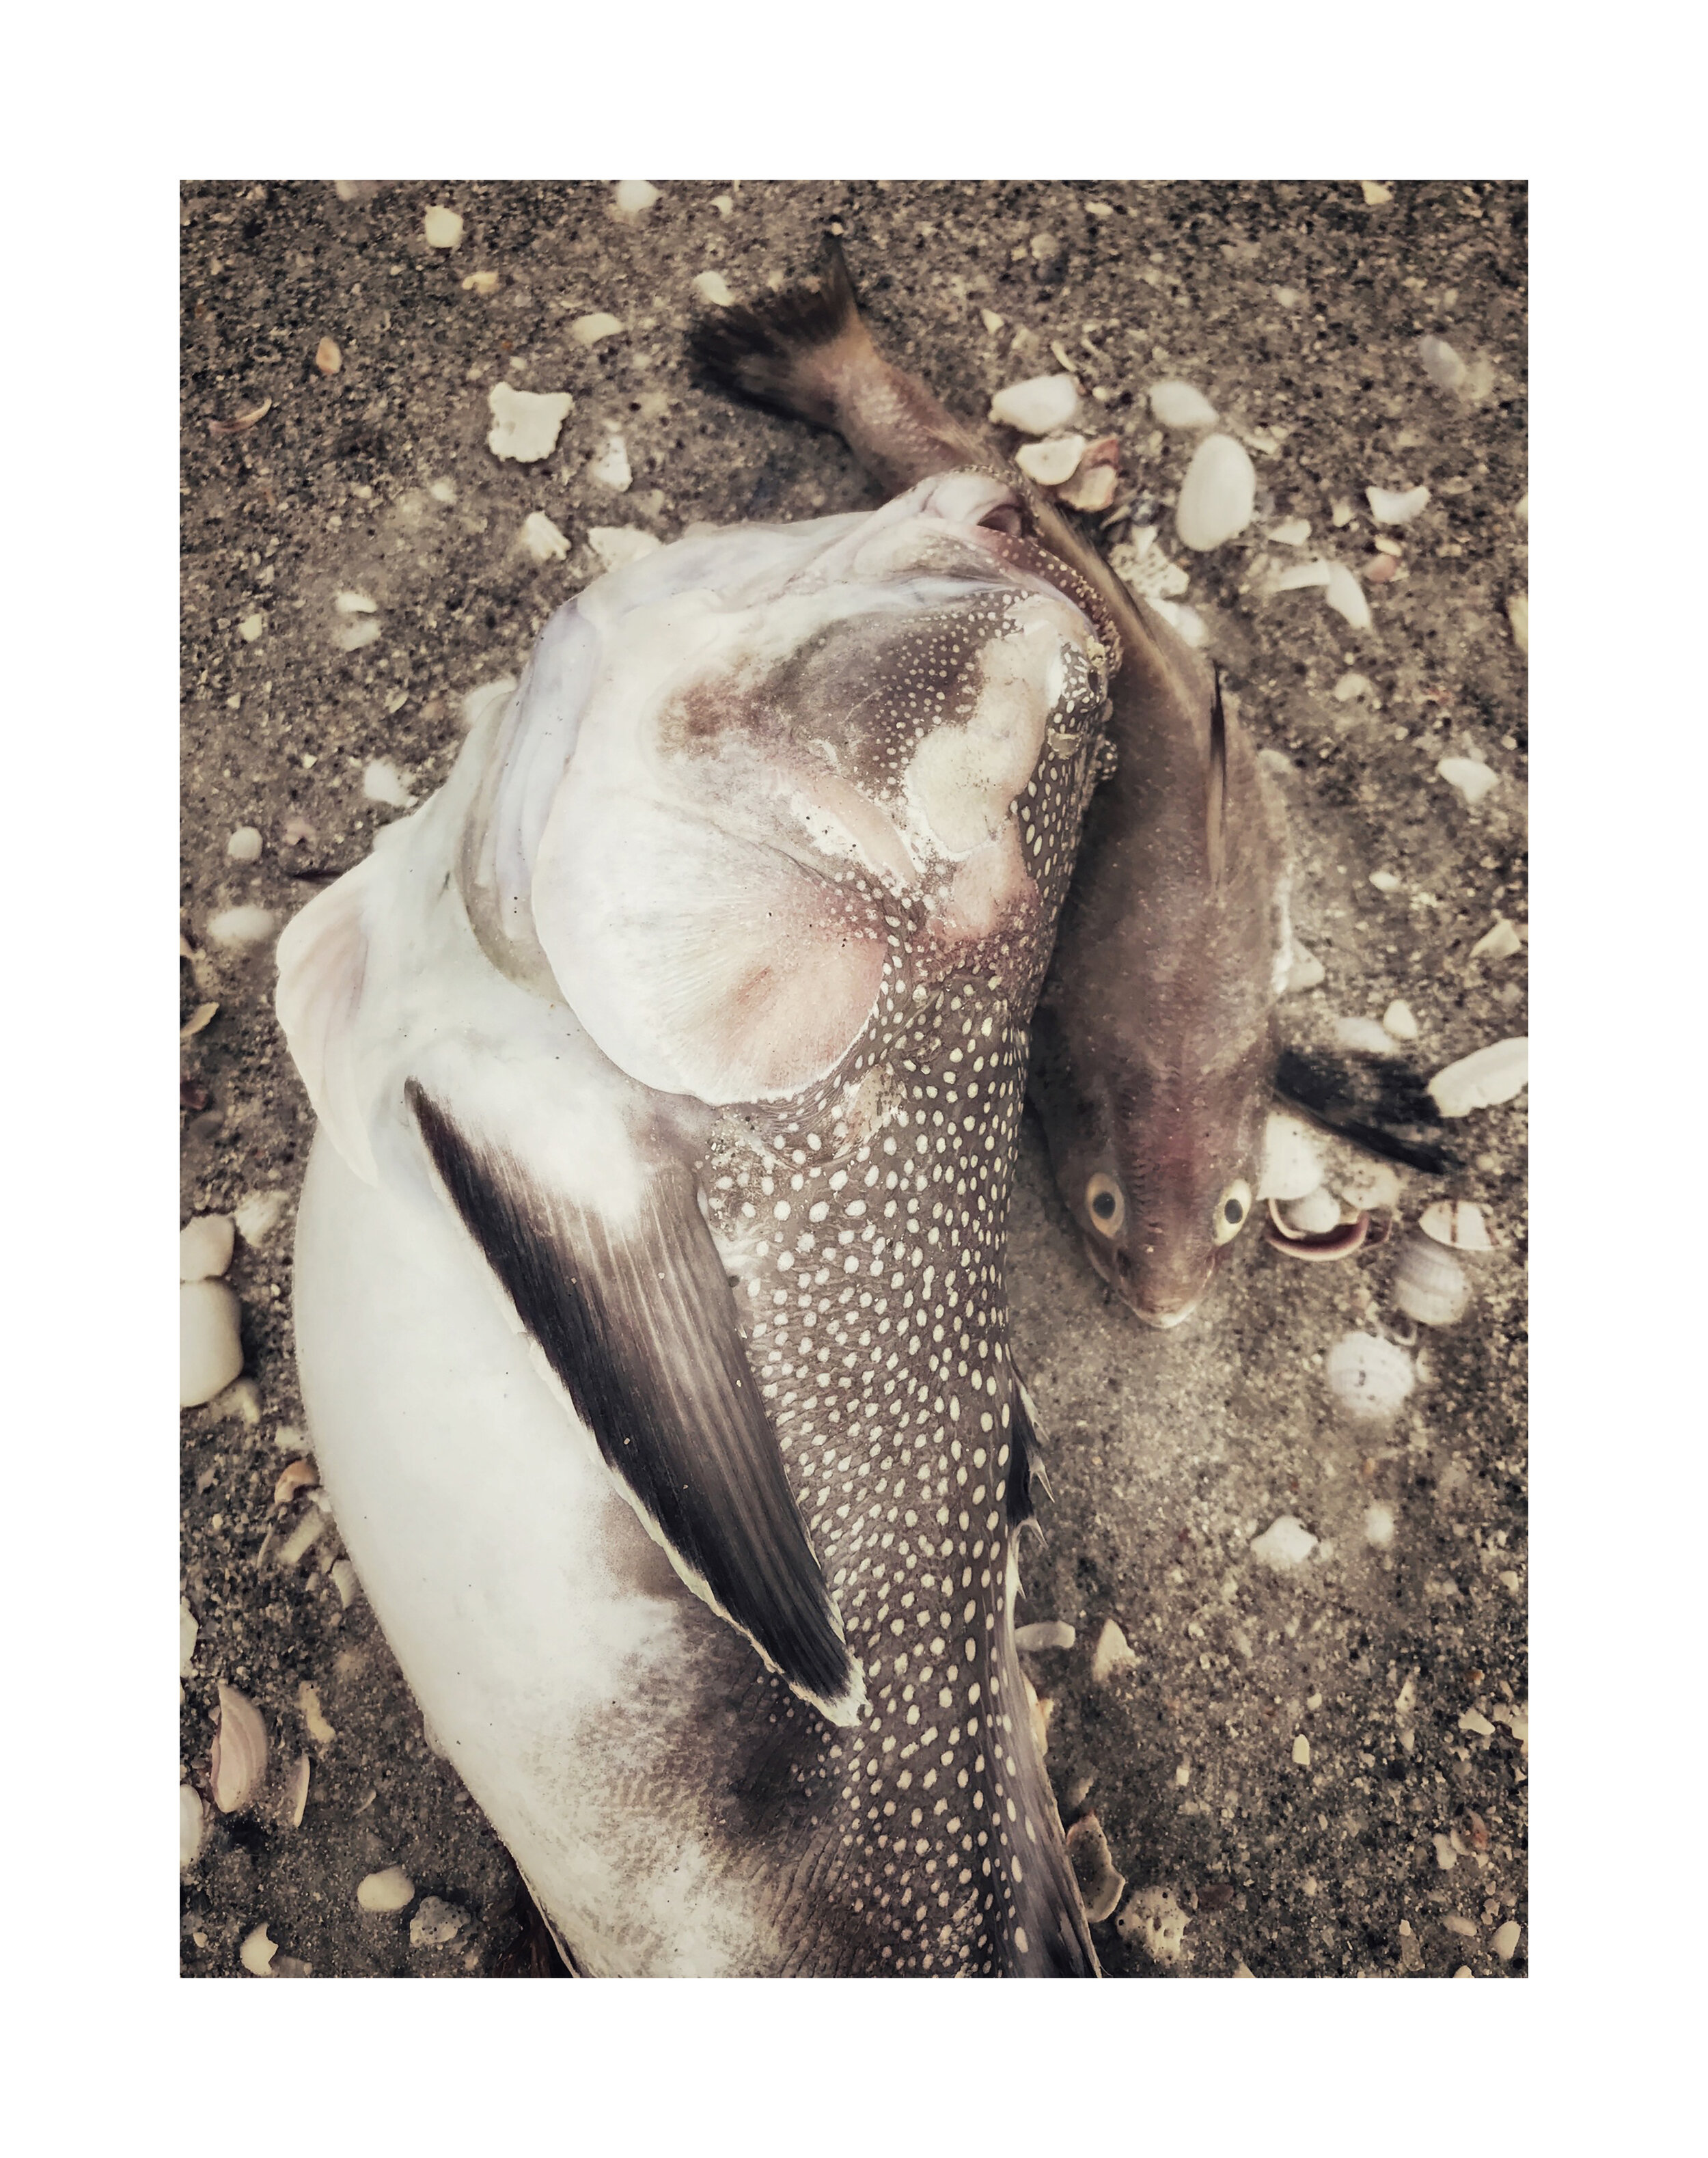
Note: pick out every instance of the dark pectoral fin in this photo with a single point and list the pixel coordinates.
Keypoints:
(1377, 1106)
(640, 1328)
(1025, 1466)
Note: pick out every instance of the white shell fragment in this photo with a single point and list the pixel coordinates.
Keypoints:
(1457, 1223)
(1345, 595)
(1052, 462)
(347, 602)
(1398, 1020)
(1093, 489)
(618, 545)
(1473, 778)
(357, 636)
(1045, 1634)
(1314, 1215)
(1429, 1283)
(1502, 942)
(1285, 1543)
(525, 423)
(435, 1923)
(1218, 495)
(1154, 1919)
(296, 1794)
(541, 538)
(1485, 1078)
(1100, 1887)
(1112, 1653)
(711, 288)
(1518, 613)
(1293, 532)
(633, 197)
(610, 467)
(441, 227)
(589, 329)
(1389, 508)
(1038, 406)
(257, 1216)
(1441, 363)
(1379, 1526)
(1301, 576)
(209, 1347)
(1366, 1037)
(188, 1629)
(257, 1952)
(191, 1825)
(381, 782)
(1350, 686)
(389, 1889)
(1293, 1158)
(1369, 1184)
(1178, 405)
(239, 1763)
(1304, 971)
(1384, 879)
(245, 844)
(240, 928)
(204, 1247)
(1367, 1375)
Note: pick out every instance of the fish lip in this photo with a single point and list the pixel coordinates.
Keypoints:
(1160, 1321)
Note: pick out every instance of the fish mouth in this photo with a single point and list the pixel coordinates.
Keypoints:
(1110, 1263)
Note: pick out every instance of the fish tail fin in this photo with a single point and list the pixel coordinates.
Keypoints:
(795, 352)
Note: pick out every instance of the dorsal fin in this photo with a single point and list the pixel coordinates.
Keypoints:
(1216, 806)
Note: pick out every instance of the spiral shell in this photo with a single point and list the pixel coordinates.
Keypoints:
(238, 1764)
(1429, 1283)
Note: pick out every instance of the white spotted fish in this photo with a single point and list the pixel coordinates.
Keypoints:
(649, 1296)
(1154, 1042)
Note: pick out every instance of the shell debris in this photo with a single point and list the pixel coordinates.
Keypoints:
(1469, 775)
(1441, 363)
(1284, 1546)
(258, 1216)
(1369, 1376)
(590, 329)
(204, 1247)
(1037, 406)
(1304, 971)
(1154, 1919)
(192, 1825)
(1112, 1653)
(382, 782)
(1052, 461)
(1457, 1223)
(1484, 1079)
(611, 467)
(1293, 1158)
(1518, 613)
(390, 1889)
(238, 1764)
(245, 844)
(1389, 506)
(187, 1630)
(209, 1346)
(1502, 942)
(257, 1952)
(296, 1792)
(1399, 1020)
(1179, 405)
(1218, 496)
(313, 1721)
(242, 928)
(526, 423)
(435, 1924)
(1044, 1633)
(632, 198)
(1345, 595)
(1429, 1283)
(441, 227)
(1100, 1887)
(1379, 1526)
(326, 356)
(710, 286)
(541, 538)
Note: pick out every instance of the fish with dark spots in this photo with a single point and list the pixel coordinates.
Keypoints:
(668, 1065)
(1155, 1040)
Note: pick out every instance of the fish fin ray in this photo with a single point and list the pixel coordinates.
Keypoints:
(661, 1380)
(784, 351)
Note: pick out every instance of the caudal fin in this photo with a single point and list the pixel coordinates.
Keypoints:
(790, 351)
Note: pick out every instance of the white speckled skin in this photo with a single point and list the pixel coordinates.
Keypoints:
(735, 724)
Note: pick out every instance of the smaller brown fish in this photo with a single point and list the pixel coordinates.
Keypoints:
(1154, 1044)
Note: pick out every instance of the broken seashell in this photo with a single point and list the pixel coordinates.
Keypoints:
(1044, 1633)
(209, 1346)
(257, 1216)
(1398, 1021)
(1304, 970)
(541, 537)
(1310, 1216)
(1369, 1376)
(1218, 495)
(1518, 613)
(1499, 942)
(187, 1630)
(711, 288)
(257, 1952)
(589, 329)
(204, 1247)
(343, 1579)
(1051, 462)
(1345, 595)
(1388, 507)
(526, 423)
(1100, 1887)
(1293, 1158)
(1091, 488)
(1471, 776)
(389, 1889)
(1457, 1223)
(1365, 1037)
(241, 422)
(1037, 406)
(1300, 576)
(382, 782)
(200, 1018)
(245, 844)
(1376, 196)
(633, 199)
(238, 928)
(302, 1538)
(441, 227)
(297, 1792)
(299, 1475)
(1284, 1544)
(1429, 1283)
(192, 1825)
(610, 467)
(1382, 570)
(1153, 1918)
(1112, 1653)
(1178, 405)
(1441, 363)
(481, 281)
(1484, 1079)
(326, 356)
(1293, 532)
(1369, 1185)
(435, 1923)
(350, 602)
(313, 1722)
(239, 1762)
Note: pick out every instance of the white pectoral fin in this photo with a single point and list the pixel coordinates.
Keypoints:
(635, 1320)
(322, 969)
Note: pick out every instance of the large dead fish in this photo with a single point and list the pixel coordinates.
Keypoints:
(650, 1315)
(1155, 1041)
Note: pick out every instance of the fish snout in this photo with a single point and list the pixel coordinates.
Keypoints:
(1156, 1298)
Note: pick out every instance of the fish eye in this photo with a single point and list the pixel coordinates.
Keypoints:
(1231, 1211)
(1106, 1203)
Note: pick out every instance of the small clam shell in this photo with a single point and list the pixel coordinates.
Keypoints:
(1457, 1223)
(1429, 1283)
(239, 1763)
(191, 1825)
(1369, 1376)
(1317, 1212)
